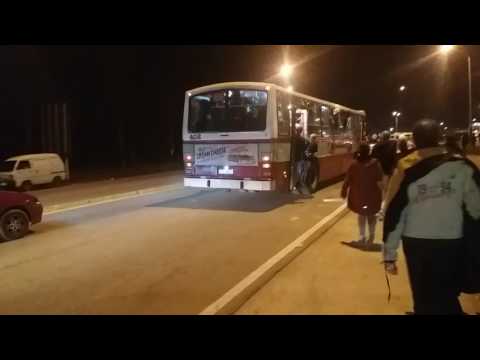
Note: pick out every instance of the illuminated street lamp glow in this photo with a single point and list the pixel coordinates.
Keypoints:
(286, 70)
(446, 48)
(402, 88)
(394, 113)
(391, 129)
(441, 124)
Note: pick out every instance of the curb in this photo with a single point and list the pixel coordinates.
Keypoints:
(108, 198)
(233, 299)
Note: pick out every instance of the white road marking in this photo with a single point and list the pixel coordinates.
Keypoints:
(253, 277)
(333, 200)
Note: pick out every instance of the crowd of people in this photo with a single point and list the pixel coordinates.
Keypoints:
(429, 199)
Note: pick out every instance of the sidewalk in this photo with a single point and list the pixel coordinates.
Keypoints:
(330, 278)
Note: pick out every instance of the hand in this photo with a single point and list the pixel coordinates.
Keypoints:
(391, 267)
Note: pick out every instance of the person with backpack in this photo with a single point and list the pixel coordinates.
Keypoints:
(432, 195)
(362, 186)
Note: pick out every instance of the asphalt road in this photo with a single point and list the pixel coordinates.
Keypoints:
(172, 252)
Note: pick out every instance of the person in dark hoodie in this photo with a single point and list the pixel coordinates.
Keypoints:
(385, 153)
(363, 187)
(430, 197)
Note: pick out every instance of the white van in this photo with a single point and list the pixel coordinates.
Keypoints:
(34, 169)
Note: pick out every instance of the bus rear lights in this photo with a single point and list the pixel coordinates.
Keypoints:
(266, 166)
(266, 157)
(188, 164)
(284, 174)
(188, 157)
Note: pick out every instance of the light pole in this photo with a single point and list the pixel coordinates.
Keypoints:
(396, 115)
(402, 89)
(445, 49)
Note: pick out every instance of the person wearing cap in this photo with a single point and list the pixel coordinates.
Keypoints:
(430, 196)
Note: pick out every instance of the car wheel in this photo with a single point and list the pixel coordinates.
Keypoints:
(14, 224)
(26, 186)
(57, 181)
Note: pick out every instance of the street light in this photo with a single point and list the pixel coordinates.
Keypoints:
(445, 49)
(286, 70)
(396, 114)
(402, 88)
(441, 124)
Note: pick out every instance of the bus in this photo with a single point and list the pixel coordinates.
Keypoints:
(238, 135)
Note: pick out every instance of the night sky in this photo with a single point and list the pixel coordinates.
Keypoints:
(135, 94)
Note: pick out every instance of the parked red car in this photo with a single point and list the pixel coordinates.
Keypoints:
(17, 212)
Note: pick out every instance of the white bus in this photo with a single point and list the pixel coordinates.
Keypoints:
(238, 136)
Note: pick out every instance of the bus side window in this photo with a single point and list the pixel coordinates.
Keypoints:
(314, 120)
(301, 114)
(326, 121)
(283, 116)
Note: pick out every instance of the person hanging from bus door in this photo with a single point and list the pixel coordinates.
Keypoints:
(300, 145)
(311, 162)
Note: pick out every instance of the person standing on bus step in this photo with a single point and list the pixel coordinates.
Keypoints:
(431, 196)
(363, 186)
(300, 146)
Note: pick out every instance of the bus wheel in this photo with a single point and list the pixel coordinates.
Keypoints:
(311, 181)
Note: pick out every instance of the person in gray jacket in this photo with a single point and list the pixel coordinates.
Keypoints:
(425, 203)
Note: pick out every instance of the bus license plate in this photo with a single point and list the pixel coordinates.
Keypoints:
(225, 171)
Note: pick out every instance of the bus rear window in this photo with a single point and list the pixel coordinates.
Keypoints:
(229, 110)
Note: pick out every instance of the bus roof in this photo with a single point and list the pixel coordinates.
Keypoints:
(269, 86)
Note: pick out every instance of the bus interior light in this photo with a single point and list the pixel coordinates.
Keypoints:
(266, 166)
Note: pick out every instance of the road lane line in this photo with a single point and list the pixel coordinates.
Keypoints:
(233, 299)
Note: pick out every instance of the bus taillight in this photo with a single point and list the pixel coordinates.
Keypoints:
(266, 157)
(188, 159)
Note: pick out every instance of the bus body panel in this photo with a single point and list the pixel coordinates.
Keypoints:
(261, 160)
